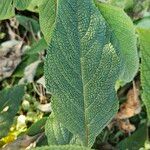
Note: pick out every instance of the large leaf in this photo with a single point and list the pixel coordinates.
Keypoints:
(81, 68)
(21, 4)
(67, 147)
(6, 9)
(124, 30)
(10, 100)
(47, 14)
(56, 133)
(136, 140)
(144, 36)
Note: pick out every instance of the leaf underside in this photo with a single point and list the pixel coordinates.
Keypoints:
(81, 68)
(56, 133)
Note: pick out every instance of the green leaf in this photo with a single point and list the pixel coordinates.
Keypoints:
(29, 24)
(6, 9)
(10, 100)
(136, 140)
(66, 147)
(21, 4)
(124, 30)
(81, 68)
(144, 36)
(38, 47)
(34, 5)
(37, 127)
(47, 14)
(56, 133)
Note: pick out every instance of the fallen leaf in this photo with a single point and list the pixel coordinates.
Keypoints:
(10, 57)
(128, 109)
(29, 73)
(126, 126)
(45, 107)
(42, 81)
(21, 142)
(132, 106)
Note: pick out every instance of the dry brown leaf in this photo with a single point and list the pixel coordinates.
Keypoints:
(126, 126)
(45, 107)
(21, 142)
(132, 106)
(128, 109)
(29, 73)
(42, 81)
(10, 57)
(14, 23)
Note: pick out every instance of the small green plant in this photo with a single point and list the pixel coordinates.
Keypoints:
(92, 51)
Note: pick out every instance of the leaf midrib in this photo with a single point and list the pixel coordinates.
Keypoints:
(83, 87)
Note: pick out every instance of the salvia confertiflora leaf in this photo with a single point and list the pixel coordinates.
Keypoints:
(82, 65)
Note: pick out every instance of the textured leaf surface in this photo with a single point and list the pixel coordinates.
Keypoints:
(81, 68)
(34, 5)
(47, 14)
(124, 30)
(21, 4)
(6, 9)
(10, 100)
(144, 36)
(67, 147)
(56, 133)
(134, 141)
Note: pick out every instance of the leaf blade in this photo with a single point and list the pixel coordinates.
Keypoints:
(66, 147)
(124, 30)
(136, 140)
(56, 133)
(28, 23)
(80, 85)
(144, 36)
(6, 9)
(47, 14)
(38, 47)
(21, 5)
